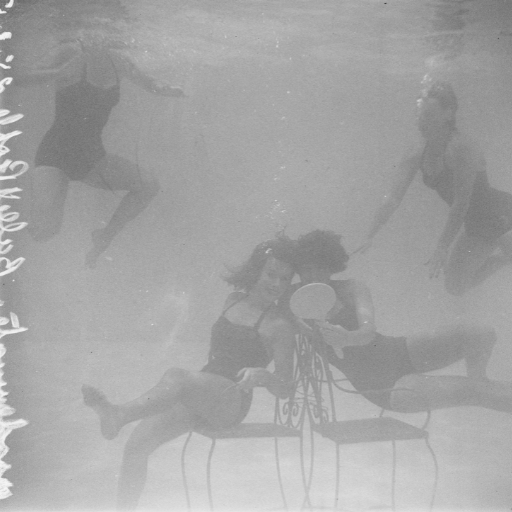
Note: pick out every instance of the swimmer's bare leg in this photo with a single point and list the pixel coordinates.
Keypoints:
(109, 414)
(49, 187)
(472, 260)
(159, 399)
(442, 391)
(117, 173)
(448, 344)
(210, 396)
(133, 203)
(147, 436)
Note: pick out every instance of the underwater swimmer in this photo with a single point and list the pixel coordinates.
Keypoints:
(389, 371)
(476, 240)
(249, 334)
(87, 75)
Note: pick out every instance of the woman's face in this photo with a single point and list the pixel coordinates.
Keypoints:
(275, 278)
(314, 273)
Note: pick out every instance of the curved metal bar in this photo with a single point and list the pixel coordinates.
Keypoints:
(306, 482)
(393, 478)
(337, 491)
(436, 473)
(183, 474)
(278, 467)
(208, 473)
(320, 379)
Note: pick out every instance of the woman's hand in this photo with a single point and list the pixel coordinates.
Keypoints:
(252, 377)
(334, 335)
(338, 337)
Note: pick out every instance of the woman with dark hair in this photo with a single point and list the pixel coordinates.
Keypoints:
(452, 165)
(86, 73)
(372, 361)
(249, 334)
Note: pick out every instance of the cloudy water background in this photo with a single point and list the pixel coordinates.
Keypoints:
(295, 113)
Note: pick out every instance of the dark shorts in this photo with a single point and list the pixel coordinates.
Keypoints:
(376, 366)
(74, 155)
(202, 423)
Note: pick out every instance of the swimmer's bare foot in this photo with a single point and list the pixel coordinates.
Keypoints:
(100, 242)
(110, 418)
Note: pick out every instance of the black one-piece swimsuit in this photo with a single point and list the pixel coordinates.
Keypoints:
(73, 143)
(234, 347)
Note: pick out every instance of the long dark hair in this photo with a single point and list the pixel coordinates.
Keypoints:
(322, 248)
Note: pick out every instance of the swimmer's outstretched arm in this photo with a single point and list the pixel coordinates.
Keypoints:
(66, 56)
(128, 69)
(403, 178)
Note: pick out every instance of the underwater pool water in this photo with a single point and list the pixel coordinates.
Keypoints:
(295, 114)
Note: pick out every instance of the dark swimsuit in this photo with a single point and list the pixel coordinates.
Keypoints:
(375, 366)
(489, 214)
(73, 144)
(234, 347)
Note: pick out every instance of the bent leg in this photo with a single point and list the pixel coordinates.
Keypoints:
(416, 393)
(472, 261)
(209, 396)
(147, 436)
(49, 190)
(117, 173)
(450, 344)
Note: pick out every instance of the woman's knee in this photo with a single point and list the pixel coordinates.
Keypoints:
(176, 376)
